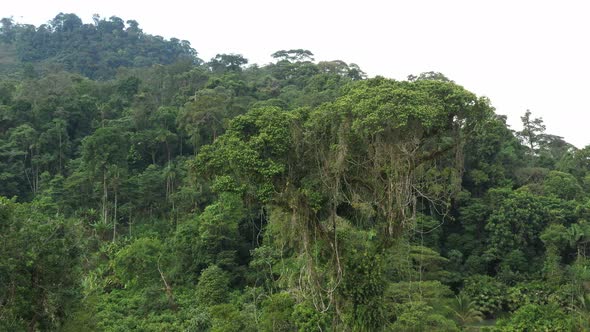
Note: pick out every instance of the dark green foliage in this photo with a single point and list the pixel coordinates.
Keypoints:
(94, 50)
(364, 282)
(515, 224)
(227, 62)
(40, 267)
(487, 293)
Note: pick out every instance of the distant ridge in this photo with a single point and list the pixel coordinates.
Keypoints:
(94, 50)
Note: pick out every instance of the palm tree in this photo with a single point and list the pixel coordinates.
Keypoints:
(464, 310)
(579, 237)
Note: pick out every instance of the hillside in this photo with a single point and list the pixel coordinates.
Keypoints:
(8, 59)
(95, 50)
(143, 189)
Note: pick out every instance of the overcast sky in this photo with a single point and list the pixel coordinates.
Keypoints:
(521, 54)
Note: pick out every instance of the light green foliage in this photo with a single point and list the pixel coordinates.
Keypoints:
(227, 318)
(250, 157)
(394, 103)
(578, 236)
(464, 310)
(556, 236)
(487, 293)
(266, 265)
(213, 286)
(400, 295)
(527, 293)
(129, 310)
(200, 319)
(138, 263)
(562, 185)
(534, 317)
(307, 319)
(218, 231)
(211, 238)
(418, 316)
(277, 313)
(406, 261)
(433, 293)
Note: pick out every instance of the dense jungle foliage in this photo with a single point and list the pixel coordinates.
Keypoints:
(144, 189)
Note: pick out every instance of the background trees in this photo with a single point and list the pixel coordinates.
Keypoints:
(95, 50)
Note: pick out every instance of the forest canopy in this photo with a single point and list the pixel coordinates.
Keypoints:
(94, 50)
(145, 189)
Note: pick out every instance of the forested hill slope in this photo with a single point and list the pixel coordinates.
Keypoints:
(94, 50)
(142, 189)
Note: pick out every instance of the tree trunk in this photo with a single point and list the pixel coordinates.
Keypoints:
(167, 290)
(115, 218)
(60, 142)
(104, 197)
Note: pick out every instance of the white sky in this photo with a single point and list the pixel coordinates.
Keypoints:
(521, 54)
